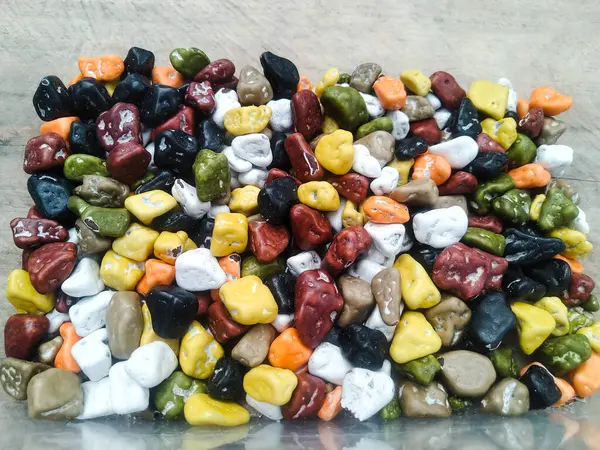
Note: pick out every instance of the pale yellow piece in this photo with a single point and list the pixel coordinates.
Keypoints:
(23, 296)
(137, 243)
(230, 234)
(593, 334)
(414, 338)
(403, 168)
(319, 195)
(247, 119)
(416, 81)
(329, 125)
(329, 78)
(149, 336)
(536, 207)
(559, 312)
(120, 273)
(335, 152)
(418, 290)
(201, 409)
(244, 200)
(199, 352)
(503, 131)
(168, 246)
(249, 301)
(270, 384)
(351, 216)
(111, 85)
(490, 98)
(576, 242)
(149, 205)
(534, 325)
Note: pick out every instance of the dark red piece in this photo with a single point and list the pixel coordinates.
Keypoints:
(278, 173)
(491, 223)
(183, 120)
(218, 71)
(229, 84)
(317, 304)
(64, 302)
(34, 213)
(446, 88)
(200, 96)
(266, 241)
(307, 116)
(531, 124)
(221, 325)
(45, 152)
(128, 162)
(346, 246)
(119, 125)
(580, 289)
(29, 233)
(25, 257)
(460, 270)
(487, 144)
(305, 164)
(459, 183)
(22, 333)
(351, 186)
(497, 267)
(204, 301)
(427, 130)
(50, 265)
(307, 399)
(310, 228)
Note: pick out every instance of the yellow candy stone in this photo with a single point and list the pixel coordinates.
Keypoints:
(148, 334)
(559, 312)
(23, 296)
(576, 242)
(335, 152)
(534, 325)
(244, 200)
(247, 119)
(416, 81)
(418, 290)
(137, 243)
(536, 207)
(329, 78)
(120, 273)
(488, 97)
(199, 352)
(351, 216)
(503, 131)
(149, 205)
(168, 246)
(319, 195)
(201, 409)
(270, 384)
(403, 168)
(230, 234)
(414, 338)
(249, 301)
(593, 334)
(329, 125)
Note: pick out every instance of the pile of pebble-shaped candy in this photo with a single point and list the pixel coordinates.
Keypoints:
(211, 247)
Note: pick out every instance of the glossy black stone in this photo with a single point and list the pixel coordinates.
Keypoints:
(50, 194)
(363, 346)
(173, 221)
(519, 287)
(90, 98)
(276, 199)
(554, 274)
(83, 139)
(283, 286)
(132, 89)
(51, 99)
(210, 136)
(172, 310)
(175, 150)
(164, 181)
(525, 249)
(513, 115)
(425, 255)
(409, 148)
(333, 337)
(139, 60)
(491, 320)
(159, 104)
(467, 121)
(281, 73)
(227, 380)
(487, 166)
(281, 160)
(543, 391)
(201, 234)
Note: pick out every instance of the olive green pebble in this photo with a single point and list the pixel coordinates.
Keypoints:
(513, 206)
(252, 266)
(188, 61)
(346, 106)
(563, 354)
(578, 318)
(592, 304)
(422, 370)
(110, 222)
(212, 174)
(171, 394)
(521, 152)
(392, 410)
(379, 124)
(483, 196)
(459, 404)
(485, 240)
(76, 166)
(504, 362)
(147, 177)
(344, 78)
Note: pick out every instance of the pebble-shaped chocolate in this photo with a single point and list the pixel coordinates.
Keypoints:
(51, 99)
(172, 310)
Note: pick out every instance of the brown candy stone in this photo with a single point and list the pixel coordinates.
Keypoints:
(467, 374)
(124, 324)
(487, 144)
(446, 88)
(421, 192)
(102, 191)
(552, 130)
(307, 116)
(380, 145)
(201, 96)
(64, 302)
(310, 228)
(424, 401)
(307, 399)
(50, 265)
(89, 241)
(351, 186)
(449, 318)
(459, 183)
(253, 87)
(22, 333)
(491, 223)
(446, 201)
(417, 108)
(48, 350)
(387, 292)
(54, 395)
(346, 246)
(305, 164)
(128, 162)
(221, 324)
(358, 300)
(183, 120)
(531, 124)
(267, 241)
(45, 152)
(427, 130)
(364, 76)
(29, 233)
(253, 347)
(15, 375)
(119, 125)
(204, 299)
(218, 71)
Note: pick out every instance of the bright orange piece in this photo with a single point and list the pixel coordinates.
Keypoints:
(586, 378)
(64, 360)
(380, 209)
(431, 166)
(550, 100)
(60, 126)
(157, 272)
(530, 176)
(102, 68)
(522, 107)
(390, 92)
(575, 265)
(167, 75)
(288, 352)
(566, 390)
(75, 79)
(303, 84)
(332, 405)
(232, 266)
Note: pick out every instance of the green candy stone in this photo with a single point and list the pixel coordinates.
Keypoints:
(484, 195)
(563, 354)
(171, 394)
(392, 410)
(346, 106)
(521, 152)
(422, 370)
(212, 174)
(252, 266)
(513, 206)
(76, 166)
(379, 124)
(110, 222)
(504, 363)
(188, 61)
(485, 240)
(557, 210)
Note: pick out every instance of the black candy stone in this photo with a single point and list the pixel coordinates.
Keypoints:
(276, 199)
(164, 181)
(333, 337)
(425, 255)
(283, 286)
(487, 166)
(513, 115)
(131, 89)
(363, 346)
(176, 151)
(519, 287)
(543, 391)
(281, 160)
(409, 148)
(51, 99)
(467, 121)
(139, 60)
(491, 320)
(159, 104)
(83, 139)
(281, 73)
(525, 249)
(554, 274)
(173, 221)
(90, 98)
(172, 310)
(201, 234)
(50, 194)
(210, 136)
(227, 380)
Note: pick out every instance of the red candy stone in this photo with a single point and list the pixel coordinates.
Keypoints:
(531, 124)
(28, 233)
(487, 144)
(50, 265)
(445, 87)
(218, 71)
(427, 130)
(128, 162)
(45, 152)
(22, 333)
(278, 173)
(491, 223)
(310, 228)
(580, 288)
(307, 399)
(459, 183)
(119, 125)
(221, 325)
(306, 113)
(201, 96)
(346, 246)
(183, 120)
(305, 164)
(351, 186)
(34, 213)
(267, 241)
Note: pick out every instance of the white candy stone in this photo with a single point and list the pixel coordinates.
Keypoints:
(579, 224)
(126, 395)
(186, 196)
(303, 261)
(216, 209)
(198, 270)
(235, 162)
(234, 183)
(441, 117)
(386, 182)
(254, 148)
(281, 117)
(93, 355)
(364, 163)
(328, 362)
(224, 101)
(407, 243)
(73, 235)
(375, 322)
(255, 176)
(85, 280)
(505, 82)
(434, 100)
(146, 132)
(283, 322)
(364, 392)
(89, 313)
(386, 368)
(365, 269)
(554, 158)
(400, 124)
(458, 152)
(273, 412)
(335, 217)
(374, 108)
(511, 104)
(378, 257)
(441, 227)
(151, 364)
(96, 399)
(56, 319)
(387, 237)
